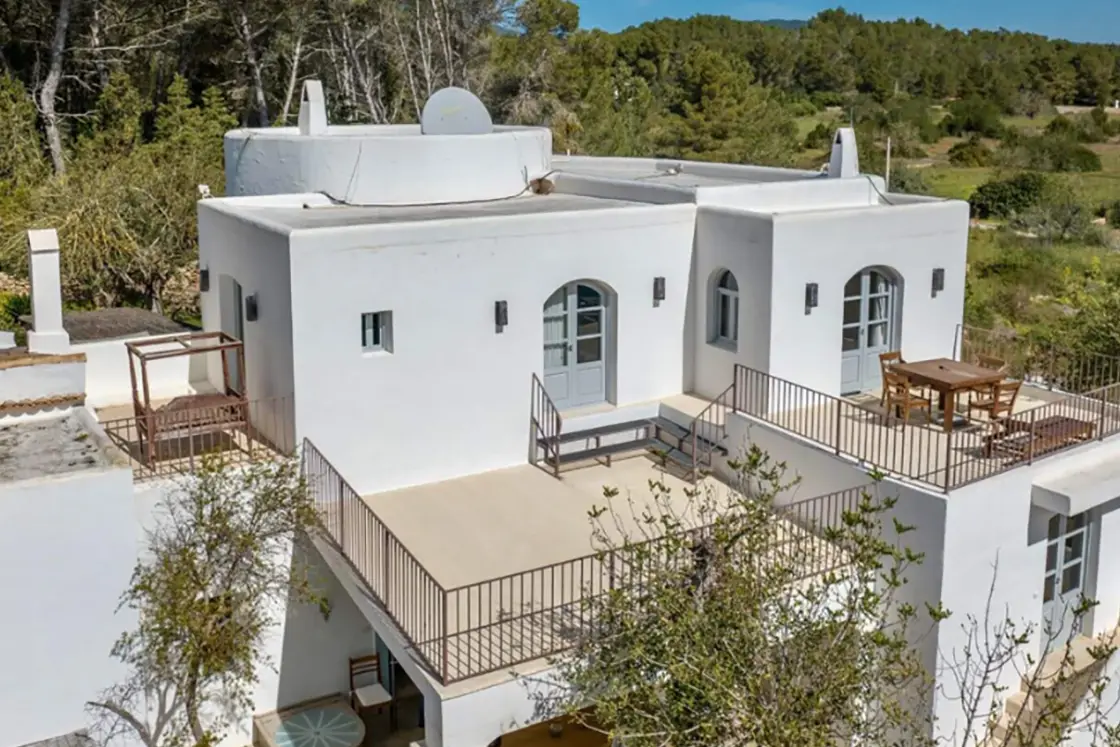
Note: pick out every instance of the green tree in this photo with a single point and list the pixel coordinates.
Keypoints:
(216, 577)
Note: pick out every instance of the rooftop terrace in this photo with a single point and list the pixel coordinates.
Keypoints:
(49, 447)
(493, 570)
(1067, 400)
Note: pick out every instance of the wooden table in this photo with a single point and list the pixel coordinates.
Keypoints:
(947, 377)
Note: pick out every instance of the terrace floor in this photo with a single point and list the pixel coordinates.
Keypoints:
(512, 548)
(859, 427)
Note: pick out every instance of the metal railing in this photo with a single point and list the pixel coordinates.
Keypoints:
(497, 623)
(1040, 362)
(546, 423)
(973, 450)
(709, 429)
(239, 431)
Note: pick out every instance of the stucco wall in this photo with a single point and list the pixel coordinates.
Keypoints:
(828, 247)
(107, 377)
(740, 242)
(49, 379)
(453, 396)
(67, 549)
(801, 194)
(257, 258)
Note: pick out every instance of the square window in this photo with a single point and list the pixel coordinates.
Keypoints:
(377, 332)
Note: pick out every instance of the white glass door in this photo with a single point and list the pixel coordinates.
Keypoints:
(867, 329)
(575, 345)
(1067, 551)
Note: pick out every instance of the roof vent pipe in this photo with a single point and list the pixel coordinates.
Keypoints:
(845, 157)
(312, 109)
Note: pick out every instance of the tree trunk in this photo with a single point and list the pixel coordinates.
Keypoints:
(259, 100)
(50, 87)
(293, 78)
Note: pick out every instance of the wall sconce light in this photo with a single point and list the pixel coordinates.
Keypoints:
(204, 279)
(938, 280)
(658, 289)
(501, 315)
(810, 297)
(251, 310)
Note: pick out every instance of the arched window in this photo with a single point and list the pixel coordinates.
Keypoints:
(725, 326)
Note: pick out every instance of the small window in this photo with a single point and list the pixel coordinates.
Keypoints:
(377, 332)
(725, 328)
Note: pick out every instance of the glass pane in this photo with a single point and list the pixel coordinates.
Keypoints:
(877, 335)
(854, 287)
(555, 356)
(1051, 557)
(1075, 545)
(727, 280)
(557, 302)
(851, 311)
(879, 283)
(1048, 589)
(878, 308)
(1054, 527)
(735, 318)
(555, 328)
(851, 338)
(586, 297)
(589, 350)
(726, 317)
(1071, 578)
(1075, 522)
(587, 323)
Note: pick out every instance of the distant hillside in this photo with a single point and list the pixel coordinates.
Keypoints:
(784, 23)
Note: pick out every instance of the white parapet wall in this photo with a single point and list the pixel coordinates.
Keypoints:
(32, 383)
(107, 379)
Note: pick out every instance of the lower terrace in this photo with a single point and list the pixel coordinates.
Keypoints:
(494, 570)
(1066, 400)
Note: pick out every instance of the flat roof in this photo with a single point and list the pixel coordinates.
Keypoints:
(323, 214)
(676, 172)
(49, 447)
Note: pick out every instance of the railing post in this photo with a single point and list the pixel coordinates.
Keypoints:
(839, 423)
(1030, 442)
(341, 515)
(385, 562)
(948, 460)
(445, 674)
(1100, 427)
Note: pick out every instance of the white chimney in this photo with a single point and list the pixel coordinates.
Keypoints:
(312, 109)
(47, 335)
(845, 158)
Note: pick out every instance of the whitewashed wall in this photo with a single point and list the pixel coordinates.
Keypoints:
(107, 377)
(453, 397)
(827, 247)
(66, 377)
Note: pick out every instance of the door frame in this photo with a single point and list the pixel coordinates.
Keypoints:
(607, 346)
(1055, 603)
(869, 374)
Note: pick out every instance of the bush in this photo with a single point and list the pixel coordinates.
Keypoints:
(819, 138)
(971, 153)
(908, 181)
(1112, 214)
(1093, 127)
(1049, 152)
(973, 116)
(1004, 198)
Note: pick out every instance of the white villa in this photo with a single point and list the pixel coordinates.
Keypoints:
(464, 335)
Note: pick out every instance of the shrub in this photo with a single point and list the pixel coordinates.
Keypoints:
(1048, 153)
(908, 181)
(819, 138)
(1003, 198)
(1112, 214)
(970, 154)
(973, 115)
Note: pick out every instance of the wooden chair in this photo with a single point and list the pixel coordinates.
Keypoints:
(370, 694)
(985, 391)
(886, 360)
(1001, 400)
(900, 397)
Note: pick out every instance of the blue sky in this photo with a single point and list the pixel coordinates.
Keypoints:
(1079, 20)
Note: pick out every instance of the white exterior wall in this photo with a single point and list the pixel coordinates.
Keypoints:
(741, 242)
(67, 548)
(793, 196)
(452, 398)
(107, 377)
(828, 247)
(20, 383)
(256, 257)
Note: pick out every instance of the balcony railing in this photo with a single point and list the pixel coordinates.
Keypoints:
(494, 624)
(973, 450)
(1039, 362)
(260, 429)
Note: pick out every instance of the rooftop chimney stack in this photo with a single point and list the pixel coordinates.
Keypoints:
(47, 334)
(845, 158)
(312, 109)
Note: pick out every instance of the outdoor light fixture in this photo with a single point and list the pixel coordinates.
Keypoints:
(251, 310)
(938, 280)
(204, 279)
(659, 289)
(810, 297)
(501, 315)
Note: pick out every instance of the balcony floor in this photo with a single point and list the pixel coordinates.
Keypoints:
(473, 531)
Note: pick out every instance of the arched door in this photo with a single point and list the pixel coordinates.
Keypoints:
(575, 345)
(870, 298)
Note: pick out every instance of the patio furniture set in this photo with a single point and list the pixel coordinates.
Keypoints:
(985, 388)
